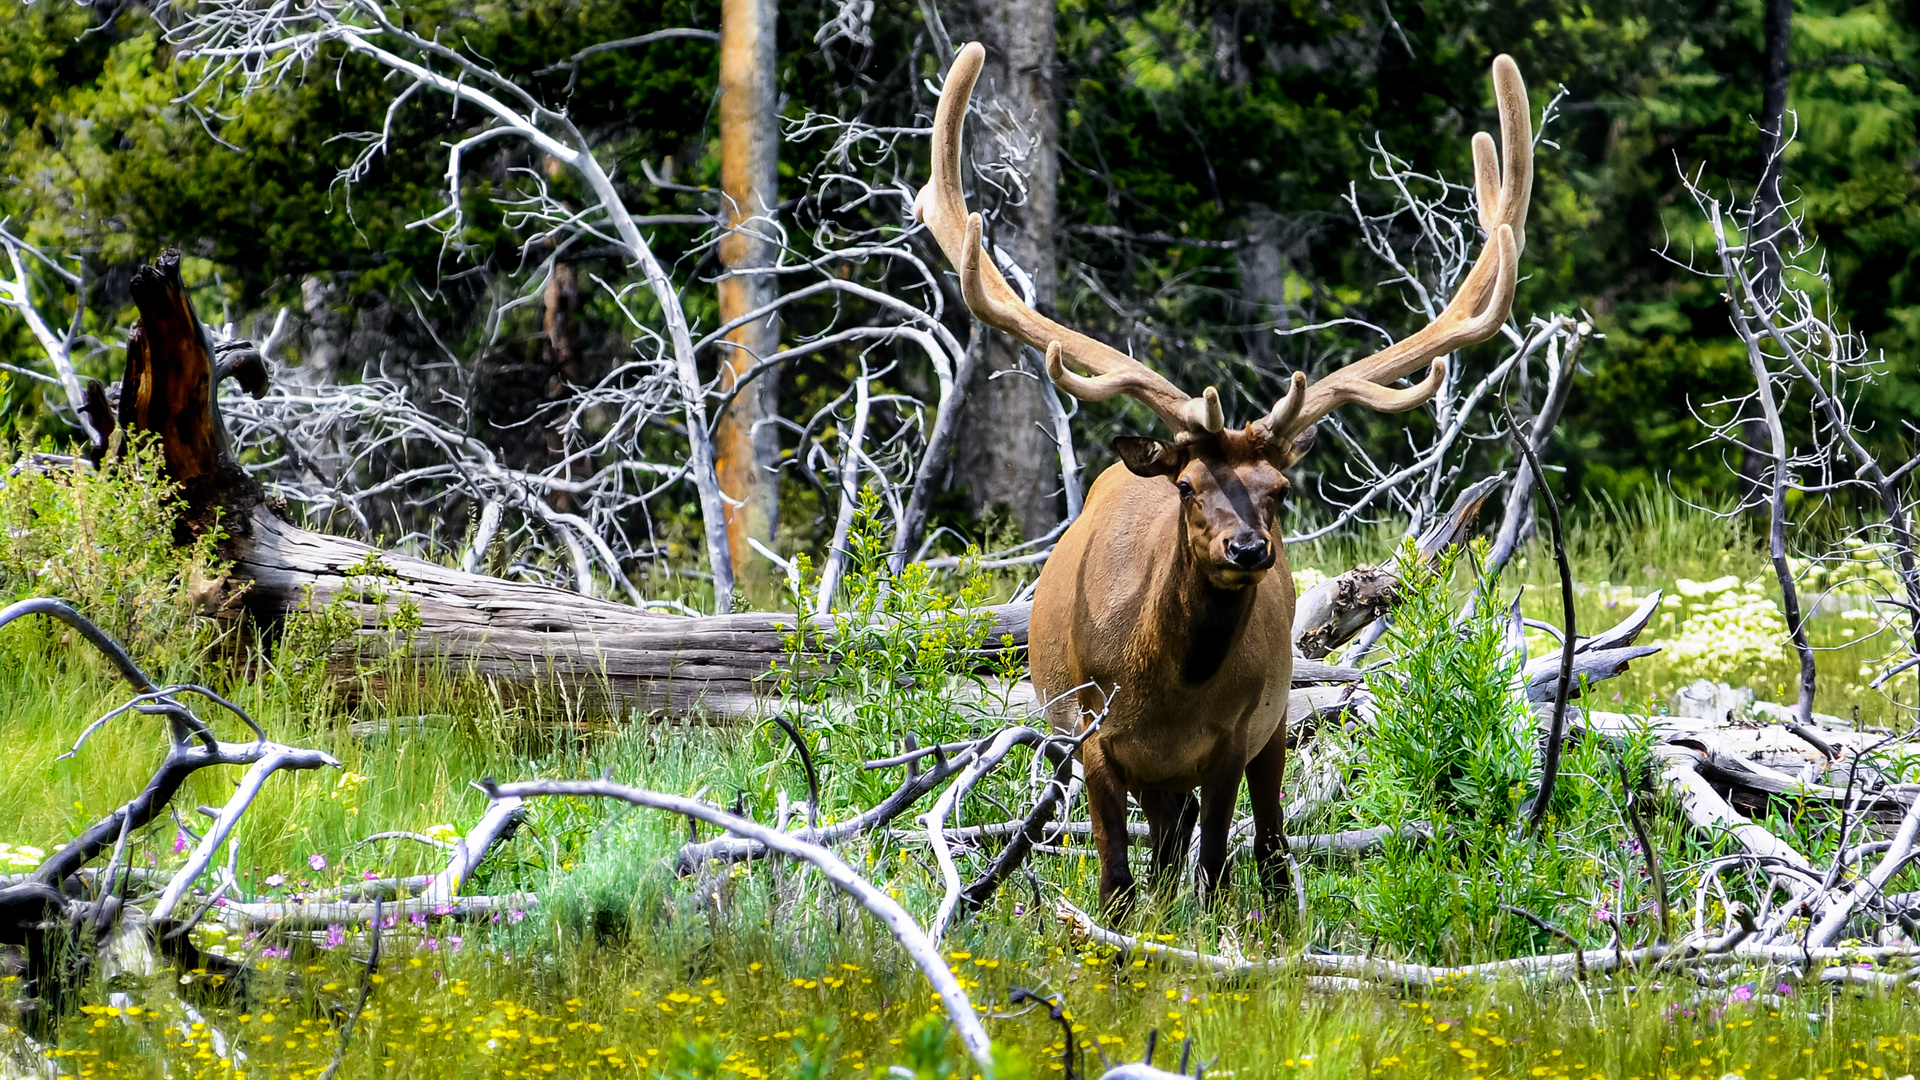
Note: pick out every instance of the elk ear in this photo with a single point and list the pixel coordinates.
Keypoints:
(1148, 457)
(1285, 457)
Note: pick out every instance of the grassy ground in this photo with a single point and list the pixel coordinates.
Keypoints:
(760, 970)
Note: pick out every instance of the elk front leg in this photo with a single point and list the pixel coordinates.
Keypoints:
(1171, 814)
(1107, 806)
(1218, 794)
(1264, 774)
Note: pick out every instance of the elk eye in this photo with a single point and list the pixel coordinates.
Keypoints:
(1186, 489)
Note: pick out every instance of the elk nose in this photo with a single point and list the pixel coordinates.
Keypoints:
(1250, 551)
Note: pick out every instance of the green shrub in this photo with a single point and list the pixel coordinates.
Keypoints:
(1450, 735)
(103, 539)
(1453, 746)
(900, 654)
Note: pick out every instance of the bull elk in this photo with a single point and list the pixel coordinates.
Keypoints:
(1162, 603)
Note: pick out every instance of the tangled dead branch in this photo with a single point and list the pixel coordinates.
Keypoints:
(40, 915)
(918, 945)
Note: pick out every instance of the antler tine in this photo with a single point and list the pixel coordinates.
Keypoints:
(1503, 186)
(942, 206)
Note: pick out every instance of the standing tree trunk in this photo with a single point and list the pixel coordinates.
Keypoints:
(1769, 201)
(1006, 456)
(746, 443)
(1769, 223)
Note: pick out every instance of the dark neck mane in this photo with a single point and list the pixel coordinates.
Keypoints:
(1213, 619)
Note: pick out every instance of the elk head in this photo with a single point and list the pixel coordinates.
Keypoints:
(1231, 481)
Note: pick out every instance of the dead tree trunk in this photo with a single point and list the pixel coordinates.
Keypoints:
(1007, 457)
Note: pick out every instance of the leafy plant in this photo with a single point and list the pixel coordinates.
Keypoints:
(104, 539)
(1451, 736)
(1453, 746)
(902, 653)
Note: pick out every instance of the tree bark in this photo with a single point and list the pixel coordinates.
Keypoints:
(1006, 456)
(1263, 265)
(746, 443)
(168, 392)
(1769, 200)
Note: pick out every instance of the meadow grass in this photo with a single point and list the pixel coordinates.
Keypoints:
(761, 970)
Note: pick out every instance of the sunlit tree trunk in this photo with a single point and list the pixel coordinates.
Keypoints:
(746, 443)
(1005, 455)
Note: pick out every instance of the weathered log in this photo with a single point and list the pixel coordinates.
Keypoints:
(603, 656)
(1542, 675)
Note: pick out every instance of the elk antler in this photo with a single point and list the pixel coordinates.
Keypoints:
(1109, 371)
(1503, 187)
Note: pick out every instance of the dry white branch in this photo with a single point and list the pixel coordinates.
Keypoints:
(877, 903)
(935, 819)
(275, 758)
(502, 816)
(16, 292)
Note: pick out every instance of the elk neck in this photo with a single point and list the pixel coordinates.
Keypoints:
(1200, 620)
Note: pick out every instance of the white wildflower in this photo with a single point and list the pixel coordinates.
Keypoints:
(1739, 629)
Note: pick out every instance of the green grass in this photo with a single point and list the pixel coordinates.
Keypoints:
(761, 969)
(620, 937)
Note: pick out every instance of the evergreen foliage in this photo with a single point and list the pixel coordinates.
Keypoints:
(1196, 135)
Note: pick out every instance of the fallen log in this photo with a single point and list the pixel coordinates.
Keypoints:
(604, 656)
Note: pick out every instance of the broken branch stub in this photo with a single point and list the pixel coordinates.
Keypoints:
(1328, 615)
(168, 391)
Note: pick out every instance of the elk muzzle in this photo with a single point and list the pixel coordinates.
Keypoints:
(1249, 550)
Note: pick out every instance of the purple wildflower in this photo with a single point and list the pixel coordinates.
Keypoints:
(317, 861)
(336, 936)
(274, 881)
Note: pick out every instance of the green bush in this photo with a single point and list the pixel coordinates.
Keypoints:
(1450, 734)
(103, 539)
(1452, 746)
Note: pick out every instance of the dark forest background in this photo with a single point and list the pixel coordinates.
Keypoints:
(1203, 151)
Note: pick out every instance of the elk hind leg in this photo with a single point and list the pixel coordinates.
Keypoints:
(1107, 806)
